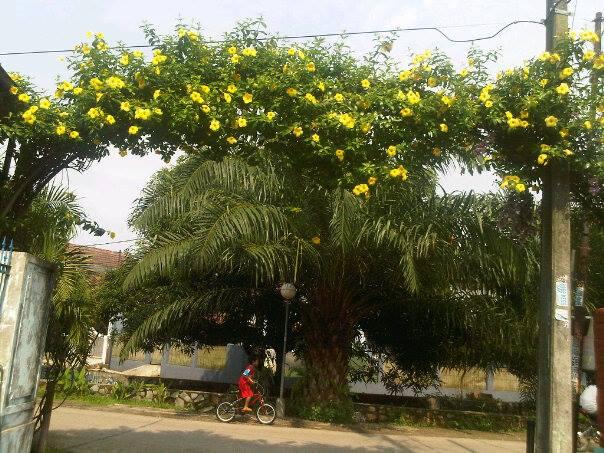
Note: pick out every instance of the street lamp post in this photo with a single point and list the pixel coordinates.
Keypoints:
(288, 292)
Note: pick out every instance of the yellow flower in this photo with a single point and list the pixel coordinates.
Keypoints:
(432, 81)
(78, 90)
(301, 55)
(115, 82)
(567, 152)
(241, 122)
(94, 112)
(554, 58)
(321, 86)
(366, 127)
(401, 96)
(404, 75)
(599, 62)
(514, 122)
(231, 88)
(14, 90)
(142, 114)
(133, 130)
(124, 59)
(520, 187)
(588, 35)
(545, 147)
(406, 112)
(247, 98)
(96, 83)
(291, 51)
(524, 114)
(551, 121)
(564, 133)
(587, 125)
(291, 92)
(524, 124)
(562, 89)
(360, 189)
(205, 88)
(310, 67)
(297, 131)
(542, 159)
(270, 115)
(310, 98)
(125, 106)
(232, 50)
(316, 240)
(137, 54)
(346, 120)
(444, 127)
(235, 59)
(227, 97)
(447, 101)
(464, 72)
(44, 104)
(315, 138)
(436, 152)
(365, 83)
(61, 129)
(23, 97)
(65, 86)
(589, 55)
(196, 97)
(156, 94)
(231, 140)
(110, 119)
(74, 134)
(372, 180)
(102, 46)
(339, 97)
(29, 117)
(488, 104)
(99, 96)
(249, 52)
(509, 115)
(566, 72)
(340, 154)
(543, 82)
(214, 125)
(85, 49)
(158, 111)
(413, 97)
(395, 172)
(391, 151)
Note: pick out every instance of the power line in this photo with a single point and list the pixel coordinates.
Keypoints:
(106, 243)
(318, 35)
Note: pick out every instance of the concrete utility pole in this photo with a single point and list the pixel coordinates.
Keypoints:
(555, 395)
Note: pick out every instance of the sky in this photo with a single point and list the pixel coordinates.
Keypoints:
(109, 187)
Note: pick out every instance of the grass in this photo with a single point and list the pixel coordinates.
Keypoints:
(102, 400)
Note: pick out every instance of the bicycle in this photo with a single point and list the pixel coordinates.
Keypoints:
(588, 435)
(265, 412)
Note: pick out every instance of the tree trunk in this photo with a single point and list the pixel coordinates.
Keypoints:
(328, 336)
(41, 437)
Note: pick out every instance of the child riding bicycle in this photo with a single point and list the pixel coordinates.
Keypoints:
(245, 381)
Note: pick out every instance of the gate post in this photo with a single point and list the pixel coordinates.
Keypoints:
(23, 323)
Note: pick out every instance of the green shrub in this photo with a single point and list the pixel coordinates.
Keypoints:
(339, 411)
(73, 382)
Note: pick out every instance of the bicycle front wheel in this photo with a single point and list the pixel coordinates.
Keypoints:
(266, 414)
(225, 412)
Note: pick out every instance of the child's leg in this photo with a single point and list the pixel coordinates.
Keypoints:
(247, 402)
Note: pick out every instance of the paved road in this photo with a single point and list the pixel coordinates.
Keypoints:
(84, 430)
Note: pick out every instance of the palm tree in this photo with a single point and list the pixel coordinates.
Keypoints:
(346, 254)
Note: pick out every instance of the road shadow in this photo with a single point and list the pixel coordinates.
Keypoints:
(138, 439)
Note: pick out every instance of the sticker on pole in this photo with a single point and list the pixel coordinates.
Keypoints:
(562, 315)
(579, 296)
(561, 293)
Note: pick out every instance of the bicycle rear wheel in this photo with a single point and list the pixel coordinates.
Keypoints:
(225, 412)
(266, 414)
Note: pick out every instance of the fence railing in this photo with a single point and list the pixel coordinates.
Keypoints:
(6, 253)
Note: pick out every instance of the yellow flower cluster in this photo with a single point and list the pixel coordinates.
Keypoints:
(340, 154)
(346, 120)
(513, 183)
(310, 98)
(372, 180)
(406, 112)
(589, 35)
(365, 83)
(23, 97)
(214, 125)
(96, 83)
(29, 116)
(192, 35)
(599, 62)
(291, 92)
(448, 101)
(247, 98)
(158, 57)
(360, 189)
(133, 130)
(400, 172)
(196, 97)
(249, 52)
(115, 83)
(391, 151)
(94, 112)
(485, 96)
(413, 97)
(562, 89)
(339, 97)
(142, 114)
(550, 57)
(513, 123)
(566, 73)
